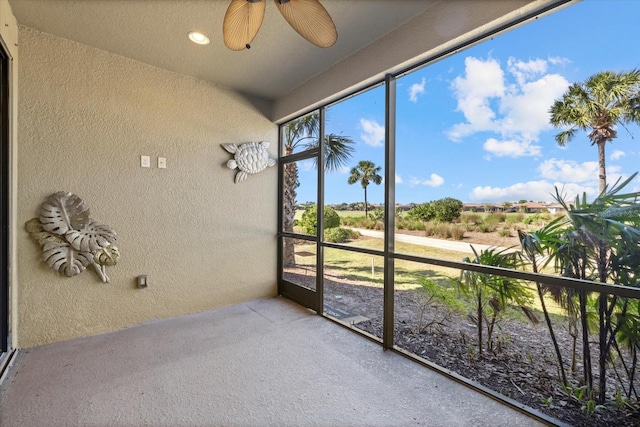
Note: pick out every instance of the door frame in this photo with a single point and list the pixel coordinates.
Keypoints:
(5, 188)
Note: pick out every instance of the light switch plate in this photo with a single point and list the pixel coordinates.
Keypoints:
(145, 161)
(162, 162)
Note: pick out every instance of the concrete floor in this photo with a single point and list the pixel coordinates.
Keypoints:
(263, 363)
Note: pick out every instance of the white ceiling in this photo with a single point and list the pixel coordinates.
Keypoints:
(154, 32)
(283, 74)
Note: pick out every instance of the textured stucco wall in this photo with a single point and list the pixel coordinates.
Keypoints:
(86, 116)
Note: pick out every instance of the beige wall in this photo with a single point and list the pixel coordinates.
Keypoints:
(85, 117)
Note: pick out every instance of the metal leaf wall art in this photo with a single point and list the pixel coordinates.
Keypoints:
(71, 241)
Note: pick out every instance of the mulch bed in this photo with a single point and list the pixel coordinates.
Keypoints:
(522, 366)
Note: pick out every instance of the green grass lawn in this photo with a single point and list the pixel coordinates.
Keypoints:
(357, 267)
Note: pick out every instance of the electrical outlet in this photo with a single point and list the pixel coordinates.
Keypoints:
(162, 162)
(145, 161)
(142, 281)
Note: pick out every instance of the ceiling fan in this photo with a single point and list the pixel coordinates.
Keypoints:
(308, 17)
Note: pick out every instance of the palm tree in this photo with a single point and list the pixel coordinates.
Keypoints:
(365, 173)
(303, 133)
(598, 105)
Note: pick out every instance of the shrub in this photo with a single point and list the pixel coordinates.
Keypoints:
(377, 214)
(422, 212)
(537, 218)
(505, 232)
(339, 235)
(496, 217)
(443, 210)
(347, 221)
(447, 209)
(309, 219)
(457, 232)
(415, 225)
(367, 223)
(486, 228)
(430, 228)
(441, 230)
(401, 223)
(471, 218)
(354, 234)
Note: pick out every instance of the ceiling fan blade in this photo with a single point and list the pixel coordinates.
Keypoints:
(242, 22)
(310, 19)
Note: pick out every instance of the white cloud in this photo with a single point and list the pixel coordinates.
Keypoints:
(559, 60)
(372, 132)
(434, 180)
(525, 108)
(531, 190)
(569, 170)
(483, 80)
(617, 154)
(307, 165)
(511, 148)
(398, 179)
(513, 103)
(416, 89)
(524, 71)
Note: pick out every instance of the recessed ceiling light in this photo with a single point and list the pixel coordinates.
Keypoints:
(198, 38)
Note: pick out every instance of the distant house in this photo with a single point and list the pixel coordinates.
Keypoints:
(555, 208)
(405, 207)
(529, 207)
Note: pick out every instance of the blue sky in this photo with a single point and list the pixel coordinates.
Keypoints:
(474, 126)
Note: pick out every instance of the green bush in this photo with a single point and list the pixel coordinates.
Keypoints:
(471, 218)
(495, 218)
(423, 212)
(308, 220)
(415, 225)
(486, 228)
(348, 221)
(501, 216)
(401, 223)
(505, 232)
(340, 235)
(447, 209)
(443, 210)
(377, 214)
(538, 218)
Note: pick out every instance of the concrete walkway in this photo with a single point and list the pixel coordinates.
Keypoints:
(263, 363)
(428, 241)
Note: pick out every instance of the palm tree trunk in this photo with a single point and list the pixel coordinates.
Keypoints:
(602, 171)
(366, 205)
(289, 210)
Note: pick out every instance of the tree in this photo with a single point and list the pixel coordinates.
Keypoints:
(365, 173)
(309, 219)
(597, 241)
(447, 209)
(303, 133)
(604, 101)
